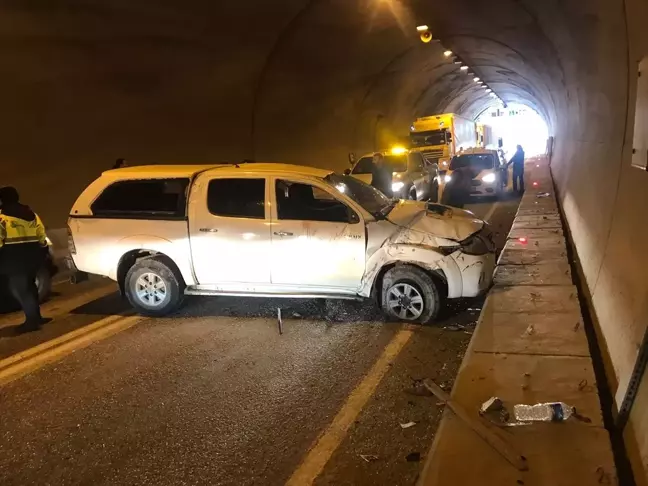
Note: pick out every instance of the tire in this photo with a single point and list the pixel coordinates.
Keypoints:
(412, 195)
(411, 282)
(161, 290)
(44, 284)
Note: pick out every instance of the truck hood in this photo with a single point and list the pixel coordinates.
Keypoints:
(433, 220)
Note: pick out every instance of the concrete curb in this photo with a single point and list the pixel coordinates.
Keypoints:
(529, 347)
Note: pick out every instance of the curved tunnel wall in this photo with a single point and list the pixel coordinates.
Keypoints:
(307, 81)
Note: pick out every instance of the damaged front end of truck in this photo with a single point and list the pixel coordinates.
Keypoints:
(452, 244)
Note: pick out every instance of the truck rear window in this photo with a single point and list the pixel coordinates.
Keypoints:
(149, 198)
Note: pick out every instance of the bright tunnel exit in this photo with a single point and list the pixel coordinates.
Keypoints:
(517, 124)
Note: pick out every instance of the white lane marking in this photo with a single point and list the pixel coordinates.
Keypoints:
(49, 354)
(491, 211)
(57, 307)
(314, 462)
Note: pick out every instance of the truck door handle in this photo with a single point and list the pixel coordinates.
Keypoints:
(208, 230)
(283, 233)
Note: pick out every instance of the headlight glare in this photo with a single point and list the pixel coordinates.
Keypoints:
(447, 178)
(397, 186)
(489, 178)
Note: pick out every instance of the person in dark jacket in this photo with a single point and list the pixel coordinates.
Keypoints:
(381, 175)
(518, 169)
(457, 189)
(120, 164)
(23, 247)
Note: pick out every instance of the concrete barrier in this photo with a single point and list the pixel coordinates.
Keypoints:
(529, 347)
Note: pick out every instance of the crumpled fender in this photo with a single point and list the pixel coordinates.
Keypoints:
(422, 256)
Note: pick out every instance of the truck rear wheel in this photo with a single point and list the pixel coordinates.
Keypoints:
(153, 288)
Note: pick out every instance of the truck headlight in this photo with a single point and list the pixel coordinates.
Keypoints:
(447, 178)
(489, 178)
(397, 186)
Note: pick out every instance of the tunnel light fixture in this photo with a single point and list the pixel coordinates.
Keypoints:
(476, 79)
(457, 62)
(464, 68)
(447, 53)
(422, 28)
(489, 90)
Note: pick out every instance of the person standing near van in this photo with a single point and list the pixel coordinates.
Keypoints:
(23, 247)
(518, 169)
(120, 164)
(381, 175)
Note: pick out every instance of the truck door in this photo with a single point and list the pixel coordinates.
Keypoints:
(318, 242)
(229, 226)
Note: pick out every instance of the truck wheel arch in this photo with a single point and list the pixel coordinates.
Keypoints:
(437, 275)
(130, 258)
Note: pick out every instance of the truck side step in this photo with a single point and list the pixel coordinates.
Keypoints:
(192, 290)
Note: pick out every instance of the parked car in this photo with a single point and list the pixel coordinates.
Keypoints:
(163, 232)
(43, 282)
(413, 176)
(489, 173)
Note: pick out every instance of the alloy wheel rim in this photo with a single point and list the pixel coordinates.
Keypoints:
(151, 289)
(405, 301)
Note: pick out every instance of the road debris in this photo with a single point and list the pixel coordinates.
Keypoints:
(543, 412)
(457, 327)
(368, 457)
(496, 442)
(418, 388)
(543, 194)
(297, 315)
(493, 404)
(279, 321)
(408, 425)
(494, 411)
(413, 457)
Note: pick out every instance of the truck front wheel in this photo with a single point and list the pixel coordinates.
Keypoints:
(410, 294)
(153, 288)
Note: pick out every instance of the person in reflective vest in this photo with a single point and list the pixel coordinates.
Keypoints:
(23, 247)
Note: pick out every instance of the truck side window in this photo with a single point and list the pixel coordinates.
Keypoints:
(303, 202)
(143, 198)
(237, 198)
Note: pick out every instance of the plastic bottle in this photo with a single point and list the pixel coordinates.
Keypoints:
(543, 412)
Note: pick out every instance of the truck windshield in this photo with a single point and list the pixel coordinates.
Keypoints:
(475, 161)
(431, 137)
(397, 163)
(371, 199)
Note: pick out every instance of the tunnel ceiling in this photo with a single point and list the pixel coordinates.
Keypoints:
(297, 80)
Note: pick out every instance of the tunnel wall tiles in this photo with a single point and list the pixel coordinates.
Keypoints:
(529, 347)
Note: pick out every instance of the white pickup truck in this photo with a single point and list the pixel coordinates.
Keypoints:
(163, 232)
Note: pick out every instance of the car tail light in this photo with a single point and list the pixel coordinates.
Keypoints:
(71, 247)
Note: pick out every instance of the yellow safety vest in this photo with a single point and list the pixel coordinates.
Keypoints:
(14, 231)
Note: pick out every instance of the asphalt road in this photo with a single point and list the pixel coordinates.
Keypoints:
(215, 395)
